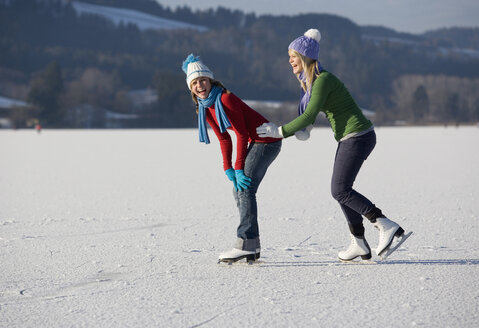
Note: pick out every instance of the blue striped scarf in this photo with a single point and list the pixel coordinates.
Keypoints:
(213, 98)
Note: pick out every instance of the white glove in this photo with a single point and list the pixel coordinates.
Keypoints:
(269, 130)
(304, 133)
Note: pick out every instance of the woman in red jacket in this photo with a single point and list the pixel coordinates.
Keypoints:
(224, 111)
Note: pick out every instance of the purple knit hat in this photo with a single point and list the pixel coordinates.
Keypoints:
(307, 44)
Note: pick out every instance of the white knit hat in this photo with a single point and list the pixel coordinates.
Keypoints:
(194, 68)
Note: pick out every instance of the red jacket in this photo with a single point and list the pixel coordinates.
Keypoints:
(244, 121)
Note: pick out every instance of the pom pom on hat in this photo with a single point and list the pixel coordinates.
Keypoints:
(190, 59)
(194, 68)
(313, 34)
(307, 44)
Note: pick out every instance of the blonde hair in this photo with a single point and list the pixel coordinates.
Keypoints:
(310, 68)
(213, 82)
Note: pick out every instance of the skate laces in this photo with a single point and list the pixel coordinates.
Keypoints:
(382, 230)
(352, 244)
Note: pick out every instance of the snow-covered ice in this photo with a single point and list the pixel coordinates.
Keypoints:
(122, 228)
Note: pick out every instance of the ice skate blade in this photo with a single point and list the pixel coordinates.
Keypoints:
(250, 259)
(398, 233)
(358, 262)
(389, 250)
(240, 263)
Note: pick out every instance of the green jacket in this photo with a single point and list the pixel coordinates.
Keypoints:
(329, 95)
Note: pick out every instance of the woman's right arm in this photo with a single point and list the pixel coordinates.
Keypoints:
(225, 142)
(319, 95)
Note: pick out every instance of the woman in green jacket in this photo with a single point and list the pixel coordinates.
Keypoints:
(321, 91)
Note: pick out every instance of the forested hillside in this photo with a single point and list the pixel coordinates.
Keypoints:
(57, 60)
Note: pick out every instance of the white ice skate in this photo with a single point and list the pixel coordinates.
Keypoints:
(358, 247)
(237, 254)
(388, 230)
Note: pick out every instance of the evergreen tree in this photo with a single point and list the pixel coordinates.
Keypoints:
(420, 104)
(45, 93)
(452, 108)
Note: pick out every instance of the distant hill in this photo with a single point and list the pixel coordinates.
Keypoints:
(140, 19)
(106, 48)
(455, 37)
(459, 41)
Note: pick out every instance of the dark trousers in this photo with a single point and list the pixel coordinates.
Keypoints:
(350, 156)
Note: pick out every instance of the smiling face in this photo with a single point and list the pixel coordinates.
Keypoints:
(295, 62)
(201, 87)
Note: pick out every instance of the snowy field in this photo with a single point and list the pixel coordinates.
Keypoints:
(142, 20)
(122, 228)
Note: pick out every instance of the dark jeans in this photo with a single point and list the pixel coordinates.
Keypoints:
(350, 156)
(258, 159)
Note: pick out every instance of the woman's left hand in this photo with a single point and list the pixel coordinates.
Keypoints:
(243, 182)
(304, 133)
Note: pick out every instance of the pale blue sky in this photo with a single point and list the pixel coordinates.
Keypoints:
(413, 16)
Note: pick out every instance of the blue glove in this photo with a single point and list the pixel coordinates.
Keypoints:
(242, 180)
(230, 173)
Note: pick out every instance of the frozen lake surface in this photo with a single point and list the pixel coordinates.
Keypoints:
(122, 228)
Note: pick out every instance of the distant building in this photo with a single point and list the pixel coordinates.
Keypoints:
(10, 103)
(142, 99)
(86, 116)
(283, 112)
(368, 113)
(276, 111)
(6, 107)
(119, 120)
